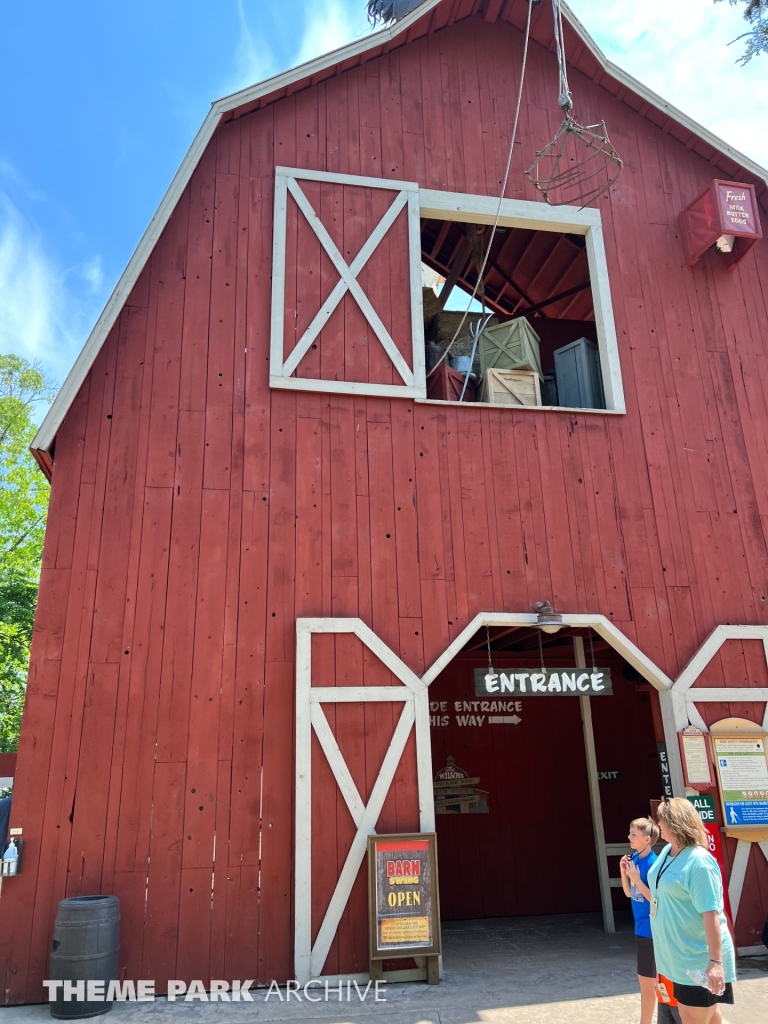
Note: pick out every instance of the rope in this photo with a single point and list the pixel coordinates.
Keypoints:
(488, 641)
(481, 270)
(475, 330)
(564, 99)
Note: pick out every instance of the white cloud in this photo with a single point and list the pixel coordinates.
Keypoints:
(329, 25)
(253, 60)
(93, 274)
(681, 51)
(46, 310)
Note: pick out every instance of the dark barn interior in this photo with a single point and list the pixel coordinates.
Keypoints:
(532, 852)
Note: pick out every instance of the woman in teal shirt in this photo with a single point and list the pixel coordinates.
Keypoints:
(690, 933)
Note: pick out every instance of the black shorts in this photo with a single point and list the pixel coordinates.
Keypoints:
(646, 962)
(667, 1014)
(697, 995)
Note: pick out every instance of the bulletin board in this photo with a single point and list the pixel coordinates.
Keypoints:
(695, 755)
(742, 775)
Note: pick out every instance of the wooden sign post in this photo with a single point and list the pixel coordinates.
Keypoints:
(403, 901)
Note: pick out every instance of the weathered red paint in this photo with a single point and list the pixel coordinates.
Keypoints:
(195, 513)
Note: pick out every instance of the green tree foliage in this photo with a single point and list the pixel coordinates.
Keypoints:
(756, 16)
(23, 505)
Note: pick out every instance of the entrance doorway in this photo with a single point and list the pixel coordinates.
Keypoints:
(517, 836)
(376, 768)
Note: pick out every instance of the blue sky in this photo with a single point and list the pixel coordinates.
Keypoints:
(99, 103)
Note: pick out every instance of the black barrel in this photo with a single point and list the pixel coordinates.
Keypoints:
(85, 947)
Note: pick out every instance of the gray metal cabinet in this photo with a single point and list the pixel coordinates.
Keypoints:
(579, 381)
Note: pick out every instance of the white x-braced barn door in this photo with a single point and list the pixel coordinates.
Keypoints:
(327, 852)
(346, 285)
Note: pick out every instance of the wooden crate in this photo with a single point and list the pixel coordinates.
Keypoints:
(510, 387)
(445, 385)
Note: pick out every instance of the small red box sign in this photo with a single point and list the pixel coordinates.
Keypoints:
(725, 215)
(737, 208)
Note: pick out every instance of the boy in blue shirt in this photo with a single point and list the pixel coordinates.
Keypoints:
(643, 834)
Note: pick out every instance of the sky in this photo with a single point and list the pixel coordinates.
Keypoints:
(99, 103)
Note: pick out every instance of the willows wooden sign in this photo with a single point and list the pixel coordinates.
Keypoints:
(545, 682)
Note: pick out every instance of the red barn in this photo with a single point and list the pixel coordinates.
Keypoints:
(276, 551)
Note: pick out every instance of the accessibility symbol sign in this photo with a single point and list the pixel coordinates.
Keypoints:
(743, 772)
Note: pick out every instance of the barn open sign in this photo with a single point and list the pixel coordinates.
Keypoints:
(545, 682)
(403, 902)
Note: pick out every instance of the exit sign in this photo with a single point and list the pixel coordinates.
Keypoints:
(705, 808)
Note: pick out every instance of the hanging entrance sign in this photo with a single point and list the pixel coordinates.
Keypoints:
(545, 682)
(403, 902)
(743, 775)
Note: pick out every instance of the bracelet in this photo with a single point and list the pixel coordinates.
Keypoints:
(715, 961)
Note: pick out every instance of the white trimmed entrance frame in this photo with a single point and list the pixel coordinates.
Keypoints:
(685, 696)
(431, 203)
(413, 695)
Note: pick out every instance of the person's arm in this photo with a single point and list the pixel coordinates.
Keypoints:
(714, 972)
(705, 887)
(624, 879)
(634, 876)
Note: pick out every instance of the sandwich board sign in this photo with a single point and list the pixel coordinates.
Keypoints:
(403, 901)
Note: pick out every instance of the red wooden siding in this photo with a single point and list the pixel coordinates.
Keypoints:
(195, 514)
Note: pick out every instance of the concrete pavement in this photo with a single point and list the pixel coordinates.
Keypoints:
(543, 970)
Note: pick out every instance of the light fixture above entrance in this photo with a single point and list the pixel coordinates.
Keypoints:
(547, 618)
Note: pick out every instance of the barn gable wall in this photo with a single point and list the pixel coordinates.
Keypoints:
(195, 513)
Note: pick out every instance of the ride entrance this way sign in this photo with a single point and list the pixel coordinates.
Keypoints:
(545, 682)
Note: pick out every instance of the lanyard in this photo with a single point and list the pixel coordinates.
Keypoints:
(662, 869)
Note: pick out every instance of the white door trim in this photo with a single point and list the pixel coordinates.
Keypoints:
(413, 694)
(281, 369)
(686, 696)
(522, 213)
(677, 699)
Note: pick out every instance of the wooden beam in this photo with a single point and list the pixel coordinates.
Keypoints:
(504, 632)
(557, 298)
(459, 262)
(594, 797)
(492, 10)
(510, 281)
(560, 240)
(440, 239)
